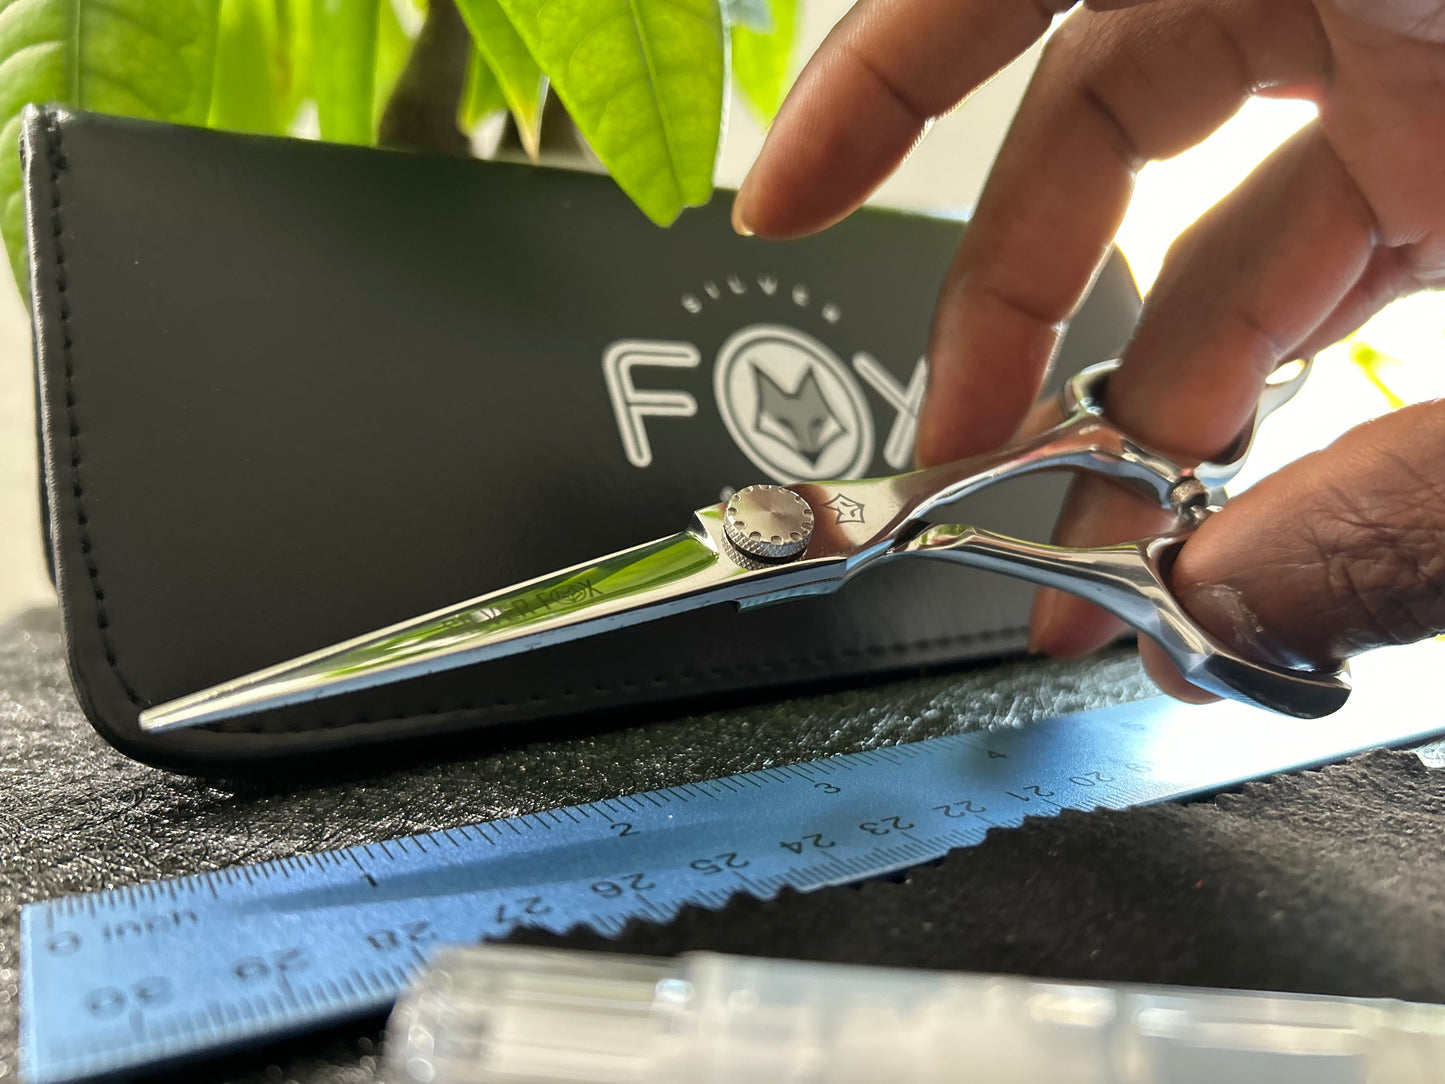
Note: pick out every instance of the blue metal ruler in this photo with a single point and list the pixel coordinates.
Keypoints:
(149, 974)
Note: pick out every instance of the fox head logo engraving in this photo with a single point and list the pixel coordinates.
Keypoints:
(791, 404)
(800, 418)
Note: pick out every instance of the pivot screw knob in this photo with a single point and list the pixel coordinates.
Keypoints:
(769, 522)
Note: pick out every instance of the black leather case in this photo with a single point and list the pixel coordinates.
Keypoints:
(291, 392)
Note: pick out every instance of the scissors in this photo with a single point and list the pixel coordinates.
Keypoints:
(767, 544)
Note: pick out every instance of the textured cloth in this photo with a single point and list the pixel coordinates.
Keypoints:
(1325, 881)
(79, 816)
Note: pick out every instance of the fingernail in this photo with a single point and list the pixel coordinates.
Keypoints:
(921, 441)
(740, 222)
(1220, 607)
(1046, 604)
(923, 435)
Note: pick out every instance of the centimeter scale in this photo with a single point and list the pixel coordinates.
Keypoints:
(148, 974)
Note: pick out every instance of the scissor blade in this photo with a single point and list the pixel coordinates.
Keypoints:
(682, 572)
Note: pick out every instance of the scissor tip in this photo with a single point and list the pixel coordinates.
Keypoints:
(164, 717)
(209, 706)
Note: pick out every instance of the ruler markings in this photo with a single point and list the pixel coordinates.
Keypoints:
(138, 975)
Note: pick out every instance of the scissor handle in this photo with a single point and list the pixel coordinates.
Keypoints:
(1084, 440)
(1083, 395)
(1131, 582)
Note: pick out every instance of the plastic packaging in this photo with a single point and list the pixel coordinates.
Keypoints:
(512, 1015)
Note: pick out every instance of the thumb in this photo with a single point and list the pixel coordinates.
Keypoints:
(1337, 553)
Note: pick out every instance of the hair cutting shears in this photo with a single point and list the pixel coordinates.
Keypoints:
(767, 544)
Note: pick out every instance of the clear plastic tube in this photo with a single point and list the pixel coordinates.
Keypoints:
(497, 1014)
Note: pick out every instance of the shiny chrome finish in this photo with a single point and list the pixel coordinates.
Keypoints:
(668, 576)
(810, 537)
(1130, 581)
(769, 522)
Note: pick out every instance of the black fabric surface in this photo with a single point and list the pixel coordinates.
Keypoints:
(1327, 881)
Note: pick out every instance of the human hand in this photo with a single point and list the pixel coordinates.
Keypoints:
(1341, 551)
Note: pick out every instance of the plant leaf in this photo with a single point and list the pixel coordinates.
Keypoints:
(753, 14)
(140, 58)
(393, 46)
(522, 83)
(483, 95)
(343, 35)
(643, 80)
(358, 49)
(249, 91)
(293, 19)
(762, 62)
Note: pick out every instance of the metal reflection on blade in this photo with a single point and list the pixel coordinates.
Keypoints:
(667, 576)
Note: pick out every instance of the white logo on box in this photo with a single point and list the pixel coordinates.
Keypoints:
(788, 401)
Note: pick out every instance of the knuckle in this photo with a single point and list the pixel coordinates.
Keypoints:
(1382, 555)
(894, 85)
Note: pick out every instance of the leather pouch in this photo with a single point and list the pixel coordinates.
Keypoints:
(291, 392)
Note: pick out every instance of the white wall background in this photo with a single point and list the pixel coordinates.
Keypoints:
(22, 571)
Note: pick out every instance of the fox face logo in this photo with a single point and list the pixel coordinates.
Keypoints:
(800, 418)
(787, 400)
(791, 405)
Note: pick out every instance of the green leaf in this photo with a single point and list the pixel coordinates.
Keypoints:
(762, 61)
(643, 80)
(140, 58)
(344, 67)
(483, 95)
(249, 92)
(522, 83)
(294, 26)
(393, 46)
(359, 48)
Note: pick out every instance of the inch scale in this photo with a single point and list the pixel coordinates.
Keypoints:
(150, 974)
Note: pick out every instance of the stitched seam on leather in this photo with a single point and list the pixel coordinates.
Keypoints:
(58, 164)
(903, 647)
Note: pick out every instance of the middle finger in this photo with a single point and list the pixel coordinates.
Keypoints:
(1113, 90)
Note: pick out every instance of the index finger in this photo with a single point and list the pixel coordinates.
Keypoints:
(870, 92)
